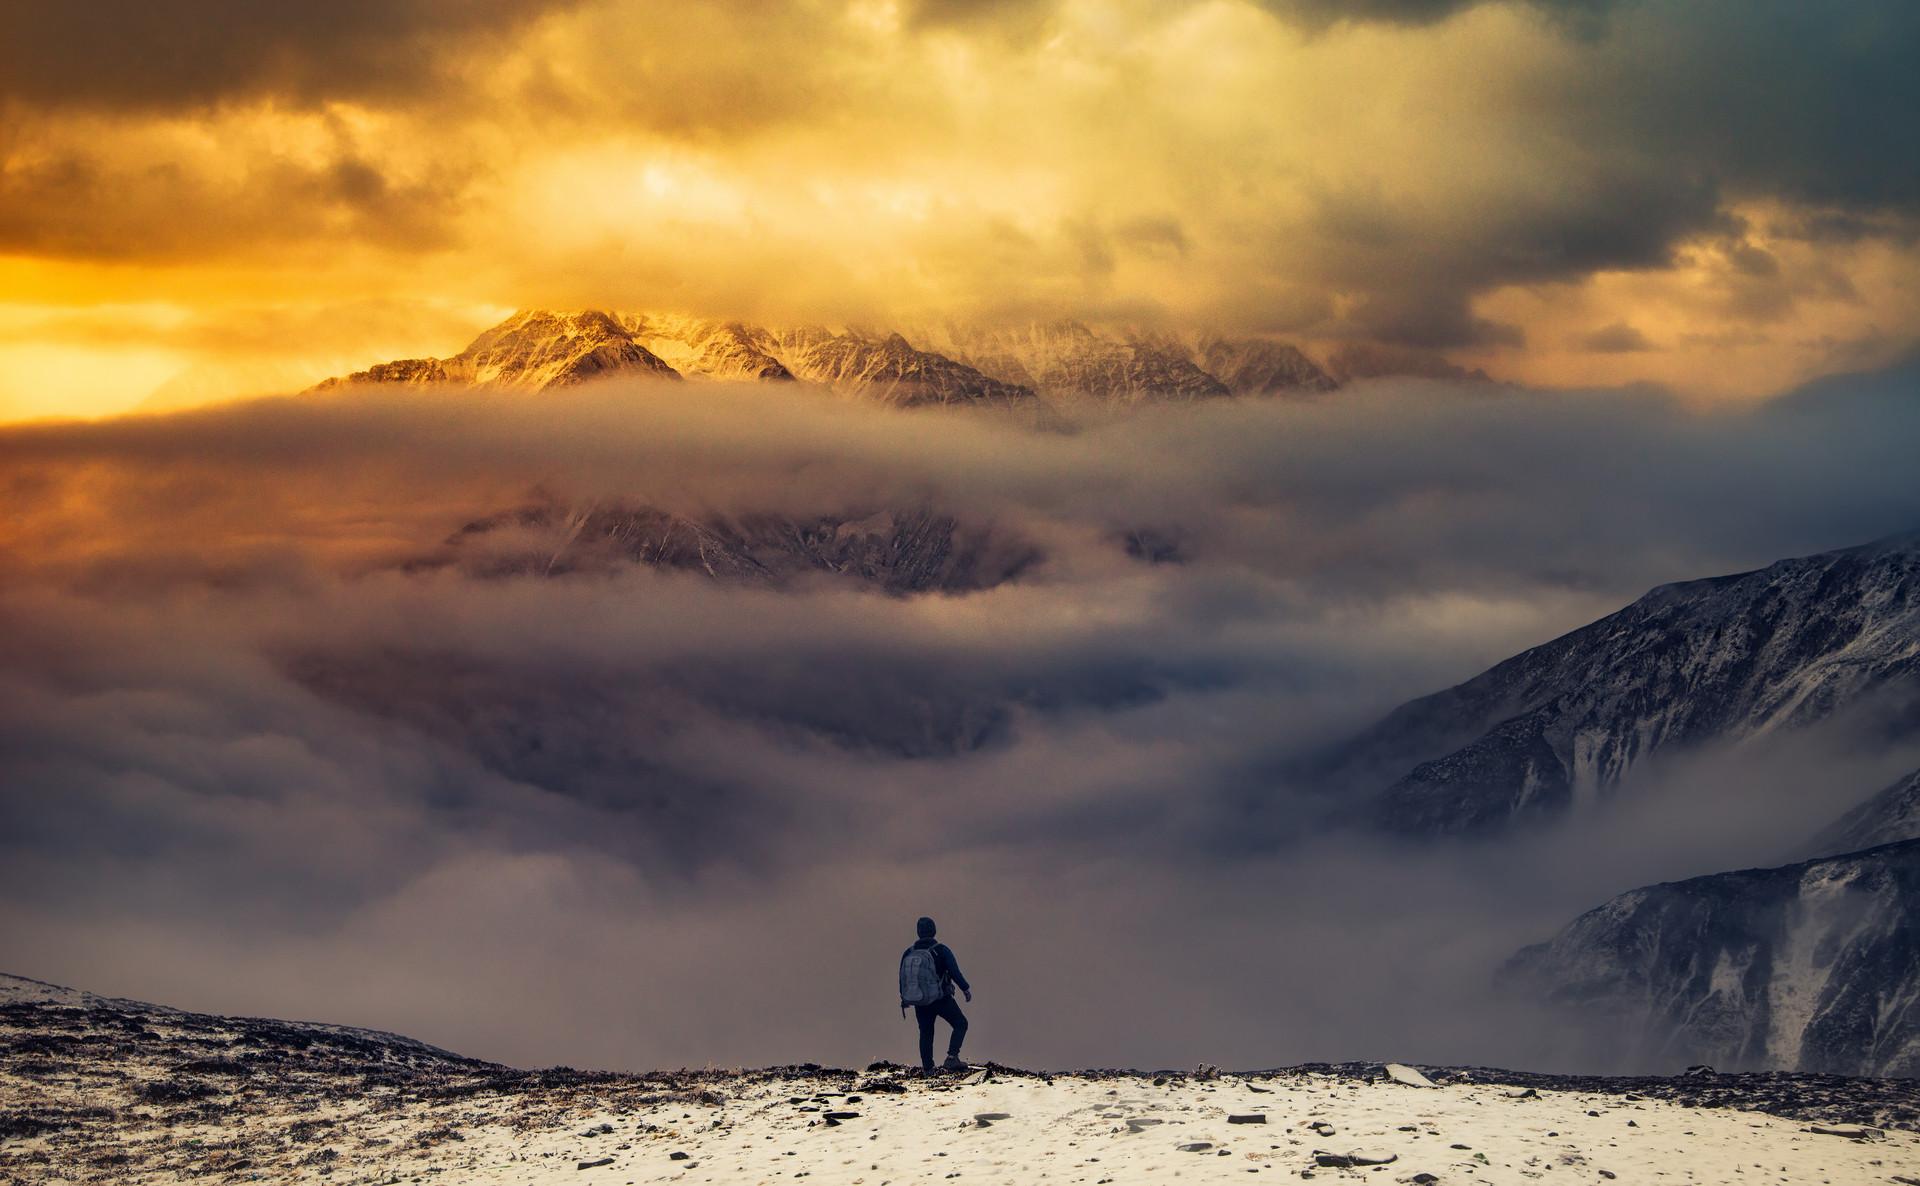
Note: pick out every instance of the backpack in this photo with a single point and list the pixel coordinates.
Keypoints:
(920, 979)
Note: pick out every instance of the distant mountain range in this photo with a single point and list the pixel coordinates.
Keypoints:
(946, 365)
(902, 552)
(1717, 660)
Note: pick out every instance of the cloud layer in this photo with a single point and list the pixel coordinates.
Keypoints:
(255, 760)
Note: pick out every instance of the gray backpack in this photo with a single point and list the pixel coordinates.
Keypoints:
(920, 980)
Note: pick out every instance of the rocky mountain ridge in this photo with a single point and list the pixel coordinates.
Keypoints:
(948, 365)
(1719, 660)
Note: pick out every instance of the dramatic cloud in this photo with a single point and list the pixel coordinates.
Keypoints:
(256, 755)
(1473, 185)
(119, 54)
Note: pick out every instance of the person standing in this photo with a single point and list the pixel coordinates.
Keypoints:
(928, 974)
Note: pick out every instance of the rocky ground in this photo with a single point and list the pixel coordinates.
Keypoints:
(97, 1090)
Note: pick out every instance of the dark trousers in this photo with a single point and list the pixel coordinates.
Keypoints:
(947, 1010)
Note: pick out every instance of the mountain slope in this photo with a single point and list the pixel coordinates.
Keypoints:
(888, 368)
(1812, 967)
(530, 351)
(1723, 659)
(1068, 358)
(1257, 366)
(1890, 816)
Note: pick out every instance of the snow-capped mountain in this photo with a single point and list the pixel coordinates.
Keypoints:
(1068, 358)
(898, 551)
(1724, 659)
(530, 351)
(1810, 967)
(1890, 816)
(536, 349)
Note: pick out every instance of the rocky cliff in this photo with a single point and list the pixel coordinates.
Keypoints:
(1811, 967)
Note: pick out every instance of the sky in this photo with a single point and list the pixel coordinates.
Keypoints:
(218, 198)
(263, 751)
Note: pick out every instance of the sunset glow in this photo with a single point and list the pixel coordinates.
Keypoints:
(1554, 193)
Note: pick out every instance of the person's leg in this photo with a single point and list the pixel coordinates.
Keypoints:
(950, 1009)
(924, 1014)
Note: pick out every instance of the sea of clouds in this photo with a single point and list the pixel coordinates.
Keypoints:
(255, 756)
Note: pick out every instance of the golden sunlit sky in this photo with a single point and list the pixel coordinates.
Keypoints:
(213, 198)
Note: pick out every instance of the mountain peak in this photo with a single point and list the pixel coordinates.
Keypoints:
(539, 348)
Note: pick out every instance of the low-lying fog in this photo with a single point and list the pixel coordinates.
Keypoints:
(257, 757)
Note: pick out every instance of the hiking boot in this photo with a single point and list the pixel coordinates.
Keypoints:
(953, 1063)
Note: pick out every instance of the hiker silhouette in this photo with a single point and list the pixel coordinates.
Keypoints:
(928, 973)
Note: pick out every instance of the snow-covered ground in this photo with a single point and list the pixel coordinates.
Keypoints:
(93, 1090)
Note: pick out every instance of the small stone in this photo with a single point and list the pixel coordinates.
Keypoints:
(677, 1155)
(1424, 1179)
(1248, 1118)
(1196, 1147)
(594, 1165)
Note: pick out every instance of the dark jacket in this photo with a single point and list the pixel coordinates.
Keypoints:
(945, 964)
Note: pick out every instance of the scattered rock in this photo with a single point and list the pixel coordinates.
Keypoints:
(1400, 1073)
(989, 1117)
(1141, 1124)
(1247, 1118)
(676, 1155)
(1858, 1132)
(1341, 1161)
(1424, 1179)
(1526, 1094)
(883, 1086)
(1196, 1146)
(594, 1165)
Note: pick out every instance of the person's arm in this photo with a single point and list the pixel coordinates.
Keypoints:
(953, 972)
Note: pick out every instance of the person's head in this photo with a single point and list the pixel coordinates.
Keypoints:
(925, 927)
